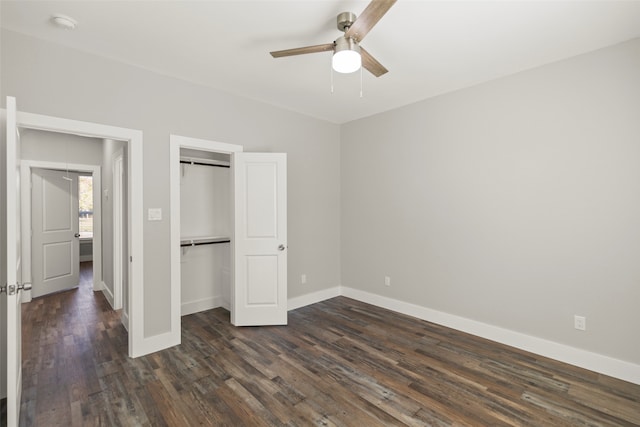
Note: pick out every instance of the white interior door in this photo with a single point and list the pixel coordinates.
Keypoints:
(14, 268)
(55, 231)
(259, 293)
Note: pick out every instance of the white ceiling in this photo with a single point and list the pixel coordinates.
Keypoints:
(429, 47)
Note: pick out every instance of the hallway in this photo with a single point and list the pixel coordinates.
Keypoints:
(65, 336)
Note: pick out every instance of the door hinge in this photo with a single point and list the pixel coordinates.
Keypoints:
(131, 259)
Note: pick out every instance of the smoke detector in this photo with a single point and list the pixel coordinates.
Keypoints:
(63, 21)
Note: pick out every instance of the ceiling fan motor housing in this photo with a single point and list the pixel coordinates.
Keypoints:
(346, 20)
(344, 43)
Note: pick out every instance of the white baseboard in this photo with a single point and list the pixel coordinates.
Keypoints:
(85, 258)
(201, 305)
(312, 298)
(106, 292)
(574, 356)
(98, 286)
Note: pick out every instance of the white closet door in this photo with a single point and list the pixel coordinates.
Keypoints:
(259, 296)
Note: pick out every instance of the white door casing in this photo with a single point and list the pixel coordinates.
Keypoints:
(176, 143)
(118, 222)
(139, 344)
(259, 242)
(13, 254)
(55, 228)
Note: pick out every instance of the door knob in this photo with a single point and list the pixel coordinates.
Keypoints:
(281, 248)
(77, 235)
(12, 289)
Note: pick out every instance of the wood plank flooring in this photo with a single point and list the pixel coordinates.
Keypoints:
(338, 363)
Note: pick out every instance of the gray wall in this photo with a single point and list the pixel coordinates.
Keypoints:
(60, 147)
(54, 80)
(514, 203)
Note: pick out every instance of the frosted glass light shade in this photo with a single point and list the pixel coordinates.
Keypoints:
(346, 61)
(346, 58)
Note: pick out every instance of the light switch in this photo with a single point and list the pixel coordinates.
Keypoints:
(155, 214)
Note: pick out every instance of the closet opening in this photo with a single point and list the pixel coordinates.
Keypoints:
(205, 230)
(228, 232)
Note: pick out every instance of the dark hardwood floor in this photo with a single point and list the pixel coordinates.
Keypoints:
(339, 362)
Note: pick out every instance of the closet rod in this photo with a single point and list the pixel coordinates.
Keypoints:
(203, 164)
(182, 245)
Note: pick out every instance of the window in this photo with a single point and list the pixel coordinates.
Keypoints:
(85, 198)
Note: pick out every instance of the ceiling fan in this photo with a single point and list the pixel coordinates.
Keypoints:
(348, 55)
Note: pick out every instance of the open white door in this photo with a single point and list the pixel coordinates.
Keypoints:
(259, 293)
(55, 239)
(14, 276)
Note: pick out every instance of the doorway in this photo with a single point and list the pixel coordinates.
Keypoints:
(138, 344)
(258, 252)
(178, 143)
(27, 170)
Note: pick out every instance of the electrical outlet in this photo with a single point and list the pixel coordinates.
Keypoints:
(387, 281)
(303, 279)
(580, 323)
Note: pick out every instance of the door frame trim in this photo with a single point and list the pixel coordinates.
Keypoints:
(116, 202)
(26, 167)
(176, 142)
(139, 345)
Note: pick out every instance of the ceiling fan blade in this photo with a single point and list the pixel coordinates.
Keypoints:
(371, 64)
(368, 18)
(303, 50)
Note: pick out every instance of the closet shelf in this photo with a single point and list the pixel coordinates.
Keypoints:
(198, 241)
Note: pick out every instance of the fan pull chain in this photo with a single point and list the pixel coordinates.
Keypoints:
(331, 66)
(66, 149)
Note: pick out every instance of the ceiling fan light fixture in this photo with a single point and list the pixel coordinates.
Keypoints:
(346, 57)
